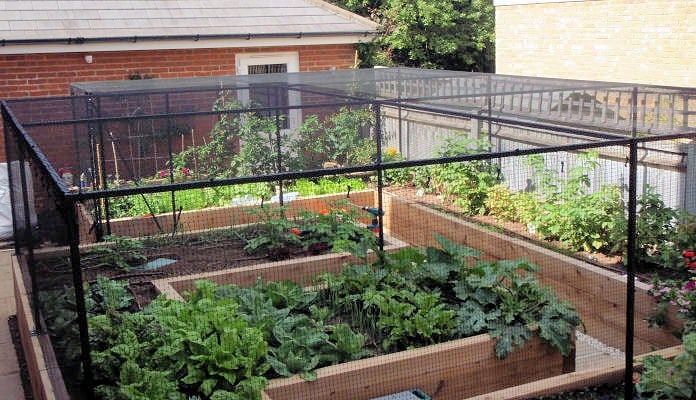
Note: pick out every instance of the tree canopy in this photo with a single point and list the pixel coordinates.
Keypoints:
(443, 34)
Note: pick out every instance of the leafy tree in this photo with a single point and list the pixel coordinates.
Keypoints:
(447, 34)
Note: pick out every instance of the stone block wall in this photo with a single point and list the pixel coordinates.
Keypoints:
(637, 41)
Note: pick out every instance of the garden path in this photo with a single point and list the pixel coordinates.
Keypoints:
(10, 382)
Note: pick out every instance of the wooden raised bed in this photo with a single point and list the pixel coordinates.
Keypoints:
(598, 295)
(300, 270)
(46, 378)
(447, 371)
(451, 370)
(214, 217)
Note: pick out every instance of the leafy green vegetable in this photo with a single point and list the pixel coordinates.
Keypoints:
(663, 379)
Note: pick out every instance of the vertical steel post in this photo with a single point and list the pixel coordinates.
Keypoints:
(70, 215)
(170, 127)
(279, 157)
(29, 243)
(91, 109)
(380, 174)
(11, 146)
(631, 250)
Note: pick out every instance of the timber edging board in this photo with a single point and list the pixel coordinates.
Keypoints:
(215, 217)
(45, 376)
(446, 371)
(582, 283)
(612, 373)
(598, 295)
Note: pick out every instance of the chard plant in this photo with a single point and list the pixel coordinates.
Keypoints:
(174, 349)
(119, 252)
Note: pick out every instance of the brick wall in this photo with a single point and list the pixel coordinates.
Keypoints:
(642, 41)
(32, 75)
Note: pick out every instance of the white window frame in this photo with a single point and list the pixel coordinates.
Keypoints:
(291, 59)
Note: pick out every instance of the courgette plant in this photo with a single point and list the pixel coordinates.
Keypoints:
(419, 297)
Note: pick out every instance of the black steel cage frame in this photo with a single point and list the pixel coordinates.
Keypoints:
(459, 94)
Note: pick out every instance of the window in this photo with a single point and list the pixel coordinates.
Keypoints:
(271, 96)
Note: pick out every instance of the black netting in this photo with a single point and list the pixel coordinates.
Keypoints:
(127, 190)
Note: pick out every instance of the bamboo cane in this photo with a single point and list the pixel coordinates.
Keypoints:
(113, 149)
(100, 180)
(195, 154)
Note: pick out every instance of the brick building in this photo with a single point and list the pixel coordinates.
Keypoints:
(642, 41)
(47, 45)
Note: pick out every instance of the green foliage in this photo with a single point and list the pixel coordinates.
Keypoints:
(581, 220)
(338, 226)
(108, 296)
(272, 235)
(419, 297)
(662, 232)
(584, 222)
(662, 379)
(60, 312)
(191, 199)
(244, 142)
(198, 346)
(339, 137)
(260, 140)
(304, 344)
(505, 299)
(214, 158)
(324, 185)
(467, 183)
(512, 206)
(452, 34)
(119, 252)
(297, 331)
(335, 228)
(223, 342)
(399, 176)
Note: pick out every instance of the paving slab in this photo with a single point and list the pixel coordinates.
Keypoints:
(10, 381)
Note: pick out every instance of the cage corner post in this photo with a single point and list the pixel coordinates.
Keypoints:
(70, 214)
(631, 250)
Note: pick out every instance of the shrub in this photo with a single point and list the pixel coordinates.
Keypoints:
(661, 232)
(582, 220)
(512, 206)
(467, 183)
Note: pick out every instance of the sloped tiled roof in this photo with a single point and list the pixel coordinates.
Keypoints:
(45, 20)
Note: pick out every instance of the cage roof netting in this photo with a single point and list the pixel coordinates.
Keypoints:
(581, 111)
(605, 106)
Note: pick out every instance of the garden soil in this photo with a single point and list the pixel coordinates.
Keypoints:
(194, 256)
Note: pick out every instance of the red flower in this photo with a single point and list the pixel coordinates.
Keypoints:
(163, 174)
(296, 231)
(324, 211)
(692, 265)
(689, 254)
(186, 171)
(690, 285)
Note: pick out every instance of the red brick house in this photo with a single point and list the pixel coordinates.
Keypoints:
(47, 45)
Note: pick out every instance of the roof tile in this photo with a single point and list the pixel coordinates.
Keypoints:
(108, 18)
